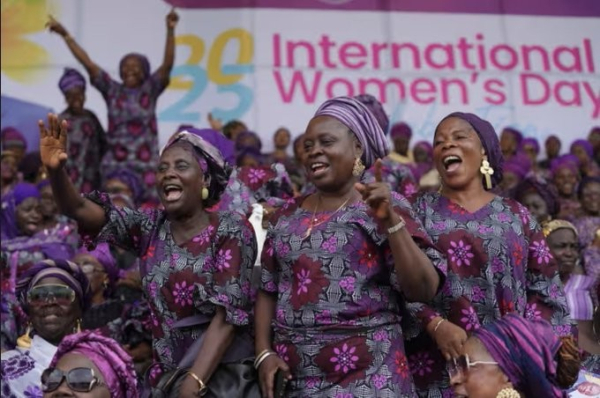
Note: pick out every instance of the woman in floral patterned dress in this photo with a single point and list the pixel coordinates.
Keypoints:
(337, 266)
(498, 259)
(132, 134)
(195, 265)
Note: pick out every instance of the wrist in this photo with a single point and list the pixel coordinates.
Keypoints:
(202, 389)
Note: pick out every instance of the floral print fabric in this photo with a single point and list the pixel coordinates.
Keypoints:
(132, 134)
(498, 263)
(86, 148)
(212, 269)
(337, 322)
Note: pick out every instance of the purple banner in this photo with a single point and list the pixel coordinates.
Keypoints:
(574, 8)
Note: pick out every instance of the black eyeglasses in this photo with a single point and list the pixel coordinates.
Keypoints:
(462, 364)
(78, 379)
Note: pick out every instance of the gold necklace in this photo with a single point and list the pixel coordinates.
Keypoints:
(313, 219)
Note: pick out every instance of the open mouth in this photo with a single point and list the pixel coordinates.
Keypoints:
(172, 192)
(451, 163)
(318, 168)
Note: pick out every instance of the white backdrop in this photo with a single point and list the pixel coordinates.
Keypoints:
(536, 73)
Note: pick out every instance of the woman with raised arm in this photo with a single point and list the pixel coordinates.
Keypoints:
(195, 265)
(132, 135)
(337, 266)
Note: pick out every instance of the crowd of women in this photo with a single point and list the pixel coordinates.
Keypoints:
(459, 266)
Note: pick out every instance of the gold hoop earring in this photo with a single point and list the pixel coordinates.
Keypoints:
(358, 168)
(204, 193)
(508, 393)
(24, 341)
(487, 172)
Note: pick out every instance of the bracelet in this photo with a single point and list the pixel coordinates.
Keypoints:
(259, 356)
(437, 325)
(261, 359)
(201, 385)
(397, 227)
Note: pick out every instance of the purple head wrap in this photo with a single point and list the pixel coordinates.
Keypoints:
(218, 170)
(586, 145)
(427, 147)
(43, 184)
(357, 117)
(130, 179)
(217, 139)
(71, 78)
(104, 256)
(565, 161)
(241, 137)
(143, 61)
(11, 137)
(525, 351)
(113, 362)
(546, 191)
(252, 152)
(489, 140)
(515, 133)
(10, 201)
(401, 130)
(519, 165)
(66, 271)
(532, 142)
(376, 109)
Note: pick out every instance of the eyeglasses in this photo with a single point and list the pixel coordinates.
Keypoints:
(90, 269)
(78, 379)
(62, 295)
(462, 364)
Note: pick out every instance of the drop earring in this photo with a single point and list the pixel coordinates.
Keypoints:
(358, 168)
(24, 341)
(78, 326)
(204, 193)
(487, 172)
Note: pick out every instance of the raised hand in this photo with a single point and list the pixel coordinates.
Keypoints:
(172, 19)
(450, 339)
(377, 195)
(54, 26)
(53, 142)
(215, 124)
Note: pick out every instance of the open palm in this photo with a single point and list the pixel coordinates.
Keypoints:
(53, 142)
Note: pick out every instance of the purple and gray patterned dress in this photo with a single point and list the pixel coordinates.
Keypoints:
(339, 304)
(498, 263)
(212, 269)
(86, 148)
(132, 129)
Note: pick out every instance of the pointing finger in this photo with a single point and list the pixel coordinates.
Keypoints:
(378, 170)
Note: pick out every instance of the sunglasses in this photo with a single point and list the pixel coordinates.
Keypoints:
(462, 364)
(78, 379)
(61, 294)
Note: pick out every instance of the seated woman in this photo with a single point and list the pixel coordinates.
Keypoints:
(100, 267)
(54, 294)
(88, 362)
(23, 241)
(514, 358)
(539, 197)
(195, 265)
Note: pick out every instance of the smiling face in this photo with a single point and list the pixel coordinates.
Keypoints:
(180, 180)
(132, 72)
(457, 153)
(51, 320)
(330, 152)
(71, 361)
(564, 246)
(480, 381)
(590, 198)
(75, 99)
(116, 186)
(565, 181)
(29, 216)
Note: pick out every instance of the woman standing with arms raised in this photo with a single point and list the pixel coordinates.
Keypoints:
(498, 259)
(336, 267)
(195, 265)
(132, 134)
